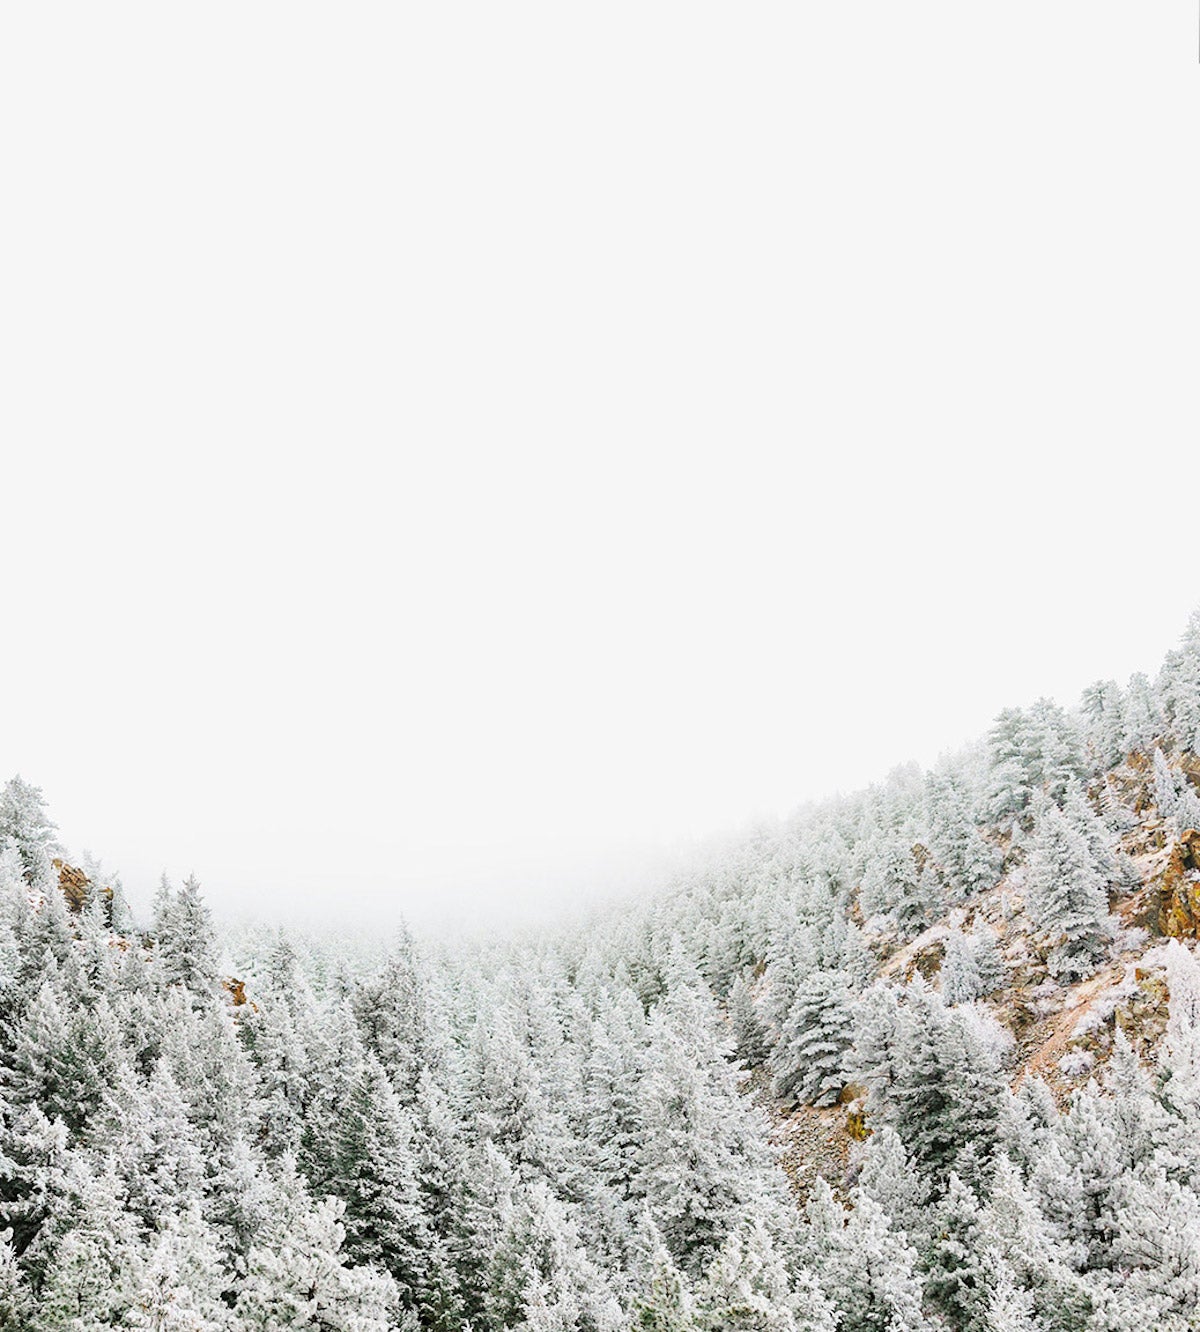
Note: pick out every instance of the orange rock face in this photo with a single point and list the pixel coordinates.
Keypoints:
(1179, 889)
(74, 884)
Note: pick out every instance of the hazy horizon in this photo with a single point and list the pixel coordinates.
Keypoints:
(446, 477)
(553, 880)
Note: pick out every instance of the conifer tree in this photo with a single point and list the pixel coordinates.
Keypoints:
(945, 1087)
(185, 943)
(956, 1280)
(663, 1302)
(16, 1299)
(391, 1012)
(873, 1281)
(181, 1283)
(749, 1034)
(1179, 687)
(25, 824)
(1009, 1308)
(704, 1154)
(887, 1176)
(1180, 1053)
(746, 1288)
(969, 863)
(375, 1173)
(961, 981)
(807, 1060)
(1143, 721)
(1032, 750)
(1065, 895)
(540, 1245)
(1103, 708)
(84, 1256)
(893, 883)
(298, 1279)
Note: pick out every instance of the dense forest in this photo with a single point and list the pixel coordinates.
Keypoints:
(926, 1056)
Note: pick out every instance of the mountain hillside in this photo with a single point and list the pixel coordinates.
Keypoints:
(922, 1057)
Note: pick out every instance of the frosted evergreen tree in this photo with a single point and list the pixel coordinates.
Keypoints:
(873, 1280)
(1078, 1181)
(1143, 716)
(662, 1302)
(511, 1108)
(45, 930)
(1083, 818)
(793, 953)
(1180, 1053)
(878, 1049)
(1065, 895)
(1009, 1308)
(84, 1256)
(747, 1289)
(1157, 1247)
(611, 1131)
(275, 1035)
(541, 1244)
(887, 1177)
(968, 861)
(961, 981)
(181, 1283)
(945, 1086)
(1166, 787)
(989, 962)
(749, 1034)
(391, 1012)
(1175, 796)
(185, 945)
(299, 1279)
(25, 823)
(34, 1159)
(807, 1060)
(893, 883)
(1103, 708)
(956, 1271)
(1179, 687)
(704, 1155)
(152, 1145)
(1033, 750)
(16, 1299)
(375, 1173)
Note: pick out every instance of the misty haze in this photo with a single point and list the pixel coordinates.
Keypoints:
(602, 668)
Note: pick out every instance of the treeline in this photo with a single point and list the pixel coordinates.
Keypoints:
(561, 1135)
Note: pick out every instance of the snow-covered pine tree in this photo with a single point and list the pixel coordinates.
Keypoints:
(808, 1057)
(747, 1287)
(1065, 894)
(749, 1034)
(969, 863)
(25, 823)
(1179, 688)
(185, 949)
(704, 1155)
(961, 981)
(1035, 749)
(895, 884)
(662, 1301)
(1103, 709)
(1142, 715)
(944, 1090)
(298, 1278)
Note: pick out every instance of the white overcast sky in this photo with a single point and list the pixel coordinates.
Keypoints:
(453, 451)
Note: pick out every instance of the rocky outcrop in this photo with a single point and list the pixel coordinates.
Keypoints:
(74, 884)
(1179, 889)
